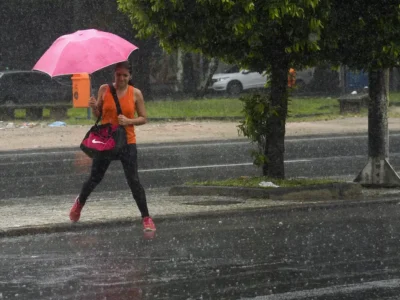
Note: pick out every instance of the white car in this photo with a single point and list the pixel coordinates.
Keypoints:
(235, 82)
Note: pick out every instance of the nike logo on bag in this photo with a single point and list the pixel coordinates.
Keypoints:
(97, 142)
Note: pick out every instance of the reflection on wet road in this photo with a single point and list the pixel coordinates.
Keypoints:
(347, 253)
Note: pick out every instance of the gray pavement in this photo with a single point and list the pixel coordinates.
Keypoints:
(348, 253)
(51, 213)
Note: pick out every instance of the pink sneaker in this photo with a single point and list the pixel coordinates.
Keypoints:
(75, 212)
(148, 224)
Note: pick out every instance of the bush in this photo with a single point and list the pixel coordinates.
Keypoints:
(257, 110)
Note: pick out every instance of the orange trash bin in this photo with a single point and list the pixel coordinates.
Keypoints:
(80, 90)
(292, 77)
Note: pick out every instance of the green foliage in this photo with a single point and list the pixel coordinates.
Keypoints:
(234, 31)
(257, 110)
(363, 34)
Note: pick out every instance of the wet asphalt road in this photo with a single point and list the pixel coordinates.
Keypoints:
(342, 253)
(62, 171)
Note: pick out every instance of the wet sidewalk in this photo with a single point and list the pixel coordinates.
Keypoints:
(51, 213)
(167, 132)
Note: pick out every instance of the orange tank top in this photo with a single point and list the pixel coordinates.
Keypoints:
(127, 103)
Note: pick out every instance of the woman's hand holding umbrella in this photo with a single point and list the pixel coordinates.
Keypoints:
(93, 105)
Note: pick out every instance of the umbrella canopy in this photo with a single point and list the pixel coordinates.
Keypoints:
(84, 51)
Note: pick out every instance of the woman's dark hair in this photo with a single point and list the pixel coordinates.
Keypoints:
(125, 65)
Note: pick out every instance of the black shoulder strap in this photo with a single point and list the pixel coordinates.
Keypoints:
(114, 93)
(99, 118)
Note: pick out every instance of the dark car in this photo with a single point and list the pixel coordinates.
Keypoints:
(34, 91)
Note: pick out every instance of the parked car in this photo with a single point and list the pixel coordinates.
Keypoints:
(34, 90)
(234, 81)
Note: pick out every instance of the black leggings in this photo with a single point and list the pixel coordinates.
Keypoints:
(128, 158)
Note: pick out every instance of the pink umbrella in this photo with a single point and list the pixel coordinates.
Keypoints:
(84, 51)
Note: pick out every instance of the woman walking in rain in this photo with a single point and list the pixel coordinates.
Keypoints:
(131, 102)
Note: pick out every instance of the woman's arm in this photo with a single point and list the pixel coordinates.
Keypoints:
(140, 110)
(97, 105)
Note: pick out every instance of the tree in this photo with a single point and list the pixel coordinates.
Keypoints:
(260, 35)
(365, 35)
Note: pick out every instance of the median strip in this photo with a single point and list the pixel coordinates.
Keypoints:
(291, 189)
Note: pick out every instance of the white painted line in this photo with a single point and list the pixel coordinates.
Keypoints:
(322, 138)
(333, 290)
(195, 167)
(177, 145)
(298, 160)
(191, 145)
(39, 153)
(214, 166)
(211, 166)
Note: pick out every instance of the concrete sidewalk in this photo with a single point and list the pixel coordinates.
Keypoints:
(167, 132)
(51, 213)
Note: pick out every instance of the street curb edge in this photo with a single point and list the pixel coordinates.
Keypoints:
(331, 191)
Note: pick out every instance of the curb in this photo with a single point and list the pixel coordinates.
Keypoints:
(134, 221)
(331, 191)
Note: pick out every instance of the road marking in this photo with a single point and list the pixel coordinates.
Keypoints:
(39, 153)
(210, 166)
(333, 290)
(322, 138)
(193, 145)
(177, 145)
(215, 166)
(313, 159)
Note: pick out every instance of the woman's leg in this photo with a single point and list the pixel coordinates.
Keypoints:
(99, 168)
(128, 159)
